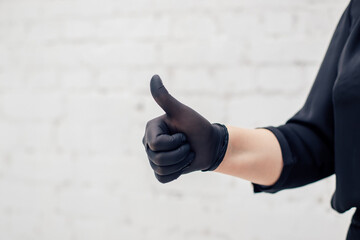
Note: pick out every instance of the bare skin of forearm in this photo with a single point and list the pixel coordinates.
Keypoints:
(252, 154)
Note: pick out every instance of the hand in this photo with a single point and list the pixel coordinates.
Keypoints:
(181, 141)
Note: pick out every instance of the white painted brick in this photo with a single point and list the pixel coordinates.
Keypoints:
(185, 6)
(10, 32)
(263, 110)
(99, 108)
(40, 56)
(317, 23)
(200, 81)
(144, 27)
(45, 79)
(135, 80)
(14, 10)
(216, 51)
(75, 99)
(29, 137)
(236, 80)
(295, 50)
(79, 79)
(10, 78)
(278, 23)
(43, 31)
(29, 105)
(280, 78)
(77, 9)
(120, 54)
(242, 25)
(189, 27)
(109, 29)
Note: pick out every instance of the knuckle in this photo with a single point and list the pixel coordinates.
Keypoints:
(162, 179)
(153, 165)
(157, 159)
(161, 171)
(153, 144)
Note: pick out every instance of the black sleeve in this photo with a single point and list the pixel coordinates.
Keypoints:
(307, 139)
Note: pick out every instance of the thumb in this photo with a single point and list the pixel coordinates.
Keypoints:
(167, 102)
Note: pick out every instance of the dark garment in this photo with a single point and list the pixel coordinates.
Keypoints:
(354, 230)
(324, 136)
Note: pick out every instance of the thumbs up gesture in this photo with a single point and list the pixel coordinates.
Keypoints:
(181, 141)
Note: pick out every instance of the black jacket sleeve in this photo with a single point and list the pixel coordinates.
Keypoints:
(307, 139)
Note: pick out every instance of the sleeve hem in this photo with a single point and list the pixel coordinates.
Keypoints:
(288, 164)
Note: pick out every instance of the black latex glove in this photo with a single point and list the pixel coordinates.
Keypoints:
(181, 141)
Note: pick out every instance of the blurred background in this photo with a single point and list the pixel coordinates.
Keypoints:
(74, 101)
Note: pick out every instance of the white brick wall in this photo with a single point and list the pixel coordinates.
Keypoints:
(74, 100)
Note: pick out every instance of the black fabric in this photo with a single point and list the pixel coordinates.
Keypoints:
(324, 136)
(181, 141)
(354, 230)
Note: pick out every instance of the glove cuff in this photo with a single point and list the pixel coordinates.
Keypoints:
(222, 147)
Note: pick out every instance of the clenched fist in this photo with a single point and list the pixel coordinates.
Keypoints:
(181, 140)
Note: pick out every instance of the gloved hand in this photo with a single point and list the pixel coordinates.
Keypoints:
(181, 141)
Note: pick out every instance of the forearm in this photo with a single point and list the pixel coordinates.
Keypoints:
(252, 154)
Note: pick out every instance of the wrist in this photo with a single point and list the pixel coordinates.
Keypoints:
(229, 155)
(221, 133)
